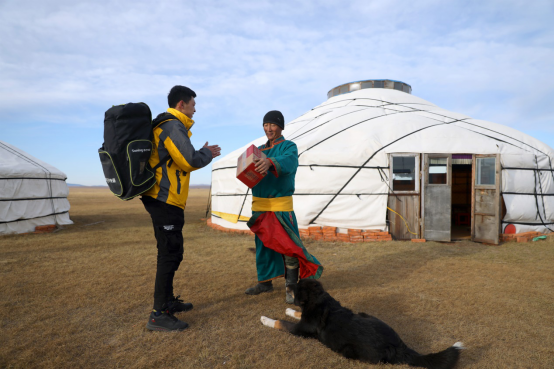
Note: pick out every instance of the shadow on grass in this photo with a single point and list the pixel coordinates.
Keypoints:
(393, 267)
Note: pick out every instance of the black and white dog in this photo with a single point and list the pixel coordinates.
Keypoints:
(355, 336)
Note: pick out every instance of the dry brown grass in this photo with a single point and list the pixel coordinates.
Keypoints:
(80, 297)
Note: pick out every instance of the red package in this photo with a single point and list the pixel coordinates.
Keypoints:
(246, 167)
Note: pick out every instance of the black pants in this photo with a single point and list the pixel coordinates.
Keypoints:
(168, 221)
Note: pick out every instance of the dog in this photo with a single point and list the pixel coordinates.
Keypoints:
(355, 336)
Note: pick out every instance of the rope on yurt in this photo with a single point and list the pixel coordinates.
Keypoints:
(48, 173)
(244, 201)
(373, 99)
(223, 168)
(340, 166)
(209, 201)
(15, 200)
(533, 194)
(536, 195)
(29, 178)
(51, 196)
(326, 194)
(324, 123)
(526, 169)
(412, 111)
(310, 121)
(551, 170)
(406, 222)
(441, 115)
(33, 218)
(386, 181)
(370, 158)
(314, 165)
(358, 123)
(530, 223)
(402, 105)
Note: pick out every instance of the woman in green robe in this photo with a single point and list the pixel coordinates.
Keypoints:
(279, 249)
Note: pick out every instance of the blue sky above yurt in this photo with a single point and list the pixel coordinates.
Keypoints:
(63, 63)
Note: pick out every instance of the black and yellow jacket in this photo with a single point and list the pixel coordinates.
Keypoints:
(171, 136)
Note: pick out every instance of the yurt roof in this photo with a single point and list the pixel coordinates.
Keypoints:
(392, 121)
(15, 163)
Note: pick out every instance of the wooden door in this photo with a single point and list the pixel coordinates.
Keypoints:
(404, 216)
(437, 196)
(404, 197)
(485, 210)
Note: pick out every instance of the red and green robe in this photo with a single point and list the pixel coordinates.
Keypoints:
(277, 232)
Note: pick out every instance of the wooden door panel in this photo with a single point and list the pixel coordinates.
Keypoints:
(486, 228)
(437, 194)
(485, 201)
(486, 209)
(408, 207)
(405, 198)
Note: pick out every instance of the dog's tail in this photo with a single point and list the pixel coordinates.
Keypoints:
(446, 359)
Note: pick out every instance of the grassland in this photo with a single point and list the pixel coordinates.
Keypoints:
(80, 297)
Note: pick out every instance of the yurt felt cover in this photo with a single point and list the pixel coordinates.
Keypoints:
(343, 175)
(32, 192)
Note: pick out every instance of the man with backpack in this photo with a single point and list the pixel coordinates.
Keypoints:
(166, 200)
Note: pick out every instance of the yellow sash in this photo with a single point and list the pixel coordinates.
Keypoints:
(281, 204)
(230, 217)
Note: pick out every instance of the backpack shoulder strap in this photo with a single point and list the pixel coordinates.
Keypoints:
(162, 118)
(162, 161)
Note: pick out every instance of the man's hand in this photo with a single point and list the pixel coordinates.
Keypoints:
(262, 166)
(215, 149)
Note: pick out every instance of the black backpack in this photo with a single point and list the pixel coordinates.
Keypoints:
(126, 150)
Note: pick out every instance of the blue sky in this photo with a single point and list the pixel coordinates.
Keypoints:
(64, 63)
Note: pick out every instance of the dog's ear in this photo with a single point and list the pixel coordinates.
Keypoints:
(307, 292)
(317, 288)
(314, 290)
(314, 287)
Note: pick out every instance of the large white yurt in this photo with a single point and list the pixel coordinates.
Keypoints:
(374, 156)
(32, 192)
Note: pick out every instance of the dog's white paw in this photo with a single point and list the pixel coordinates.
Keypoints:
(292, 313)
(459, 345)
(268, 322)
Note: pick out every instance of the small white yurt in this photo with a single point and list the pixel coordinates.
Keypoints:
(32, 192)
(374, 156)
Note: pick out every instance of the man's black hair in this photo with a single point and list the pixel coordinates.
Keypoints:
(179, 93)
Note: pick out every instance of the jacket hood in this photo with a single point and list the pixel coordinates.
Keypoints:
(166, 116)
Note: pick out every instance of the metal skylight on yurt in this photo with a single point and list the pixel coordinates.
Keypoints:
(369, 84)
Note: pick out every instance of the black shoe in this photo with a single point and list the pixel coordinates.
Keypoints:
(266, 287)
(165, 322)
(177, 305)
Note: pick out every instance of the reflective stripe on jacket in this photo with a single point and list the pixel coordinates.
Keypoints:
(171, 136)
